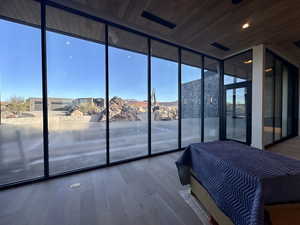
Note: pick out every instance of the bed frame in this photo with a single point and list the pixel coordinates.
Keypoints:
(281, 214)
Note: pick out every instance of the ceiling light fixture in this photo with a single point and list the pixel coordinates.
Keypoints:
(268, 70)
(158, 20)
(248, 61)
(246, 25)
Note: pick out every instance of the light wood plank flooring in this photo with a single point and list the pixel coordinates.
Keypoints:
(144, 192)
(290, 148)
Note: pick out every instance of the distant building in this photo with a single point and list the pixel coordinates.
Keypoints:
(97, 101)
(54, 104)
(61, 104)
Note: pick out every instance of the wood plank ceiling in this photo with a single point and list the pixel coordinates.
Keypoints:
(275, 23)
(202, 22)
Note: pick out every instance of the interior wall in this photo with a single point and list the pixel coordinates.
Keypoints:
(257, 96)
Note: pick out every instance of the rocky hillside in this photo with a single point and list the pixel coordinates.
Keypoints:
(119, 110)
(126, 110)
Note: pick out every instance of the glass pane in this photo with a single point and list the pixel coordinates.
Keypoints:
(211, 99)
(238, 68)
(128, 95)
(293, 100)
(229, 79)
(278, 100)
(190, 98)
(269, 99)
(236, 120)
(76, 92)
(164, 97)
(284, 115)
(21, 121)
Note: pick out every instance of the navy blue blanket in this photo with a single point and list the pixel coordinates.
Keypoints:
(241, 179)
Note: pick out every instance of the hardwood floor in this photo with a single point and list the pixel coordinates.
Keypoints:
(143, 192)
(290, 148)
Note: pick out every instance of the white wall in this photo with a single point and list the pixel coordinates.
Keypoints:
(257, 96)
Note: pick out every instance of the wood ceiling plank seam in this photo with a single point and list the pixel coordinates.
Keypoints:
(274, 22)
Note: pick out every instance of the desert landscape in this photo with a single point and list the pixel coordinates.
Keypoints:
(77, 134)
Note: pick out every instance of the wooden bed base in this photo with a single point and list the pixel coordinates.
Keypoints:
(283, 214)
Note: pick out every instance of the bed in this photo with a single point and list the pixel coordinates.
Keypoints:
(241, 185)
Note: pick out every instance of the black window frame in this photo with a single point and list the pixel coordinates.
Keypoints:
(43, 10)
(150, 38)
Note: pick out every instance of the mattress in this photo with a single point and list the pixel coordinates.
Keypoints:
(241, 179)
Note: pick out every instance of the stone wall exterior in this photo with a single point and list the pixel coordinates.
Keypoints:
(191, 97)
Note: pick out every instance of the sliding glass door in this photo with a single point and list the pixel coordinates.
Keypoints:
(237, 112)
(236, 119)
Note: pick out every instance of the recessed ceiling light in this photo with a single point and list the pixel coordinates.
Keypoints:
(248, 61)
(268, 70)
(246, 25)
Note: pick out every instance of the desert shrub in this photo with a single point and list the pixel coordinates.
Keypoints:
(88, 108)
(17, 105)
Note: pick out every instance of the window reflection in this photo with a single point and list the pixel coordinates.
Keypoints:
(280, 99)
(211, 99)
(191, 98)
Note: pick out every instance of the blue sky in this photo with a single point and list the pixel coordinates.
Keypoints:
(75, 68)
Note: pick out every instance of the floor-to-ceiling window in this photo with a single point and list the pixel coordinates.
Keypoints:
(106, 101)
(280, 99)
(164, 97)
(128, 105)
(76, 91)
(211, 99)
(191, 108)
(21, 124)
